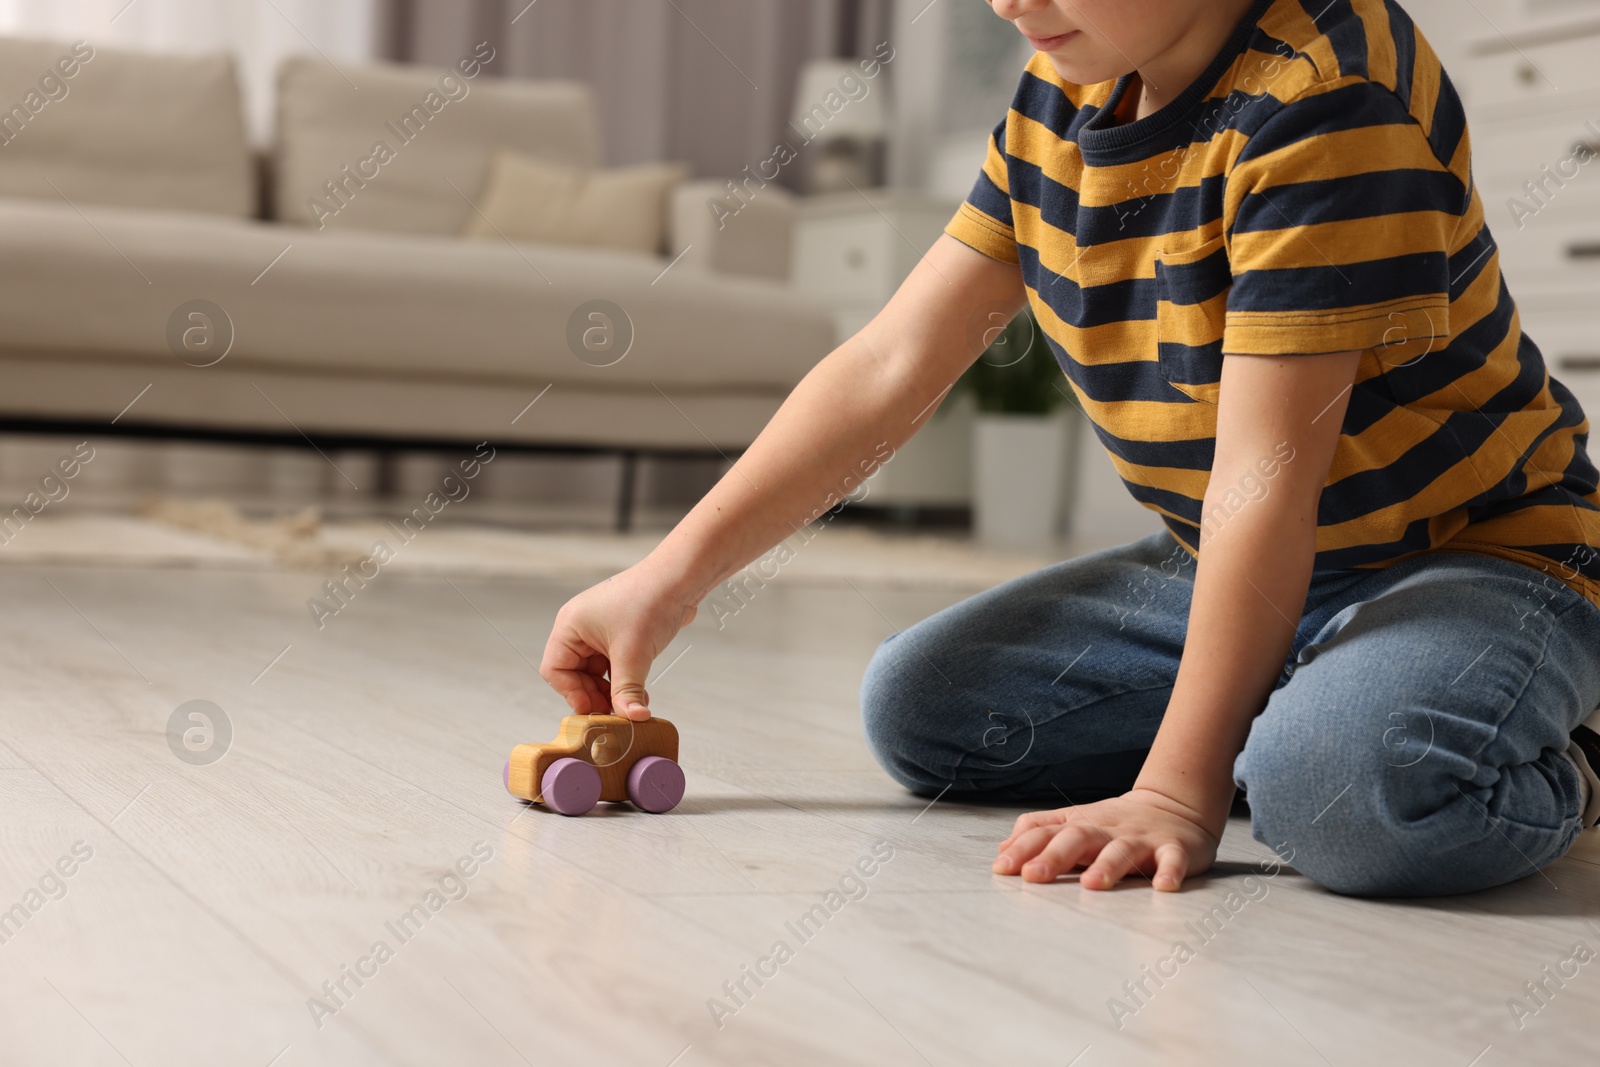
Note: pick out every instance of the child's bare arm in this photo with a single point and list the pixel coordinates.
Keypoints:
(877, 387)
(869, 395)
(1275, 414)
(1250, 586)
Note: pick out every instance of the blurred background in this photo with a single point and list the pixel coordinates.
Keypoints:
(279, 254)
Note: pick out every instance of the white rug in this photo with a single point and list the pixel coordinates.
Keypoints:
(211, 534)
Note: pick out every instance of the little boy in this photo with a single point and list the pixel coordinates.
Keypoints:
(1249, 231)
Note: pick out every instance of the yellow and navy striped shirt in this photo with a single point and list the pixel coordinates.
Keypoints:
(1311, 192)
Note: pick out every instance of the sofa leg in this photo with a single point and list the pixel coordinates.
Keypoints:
(625, 492)
(388, 473)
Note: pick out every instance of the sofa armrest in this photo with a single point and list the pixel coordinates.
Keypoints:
(725, 236)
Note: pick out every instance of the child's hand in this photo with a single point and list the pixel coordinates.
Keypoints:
(1140, 831)
(619, 626)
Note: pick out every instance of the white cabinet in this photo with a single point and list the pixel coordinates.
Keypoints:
(1534, 107)
(1566, 327)
(1505, 75)
(854, 249)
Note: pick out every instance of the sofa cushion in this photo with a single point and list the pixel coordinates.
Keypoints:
(123, 128)
(623, 208)
(759, 244)
(392, 305)
(384, 156)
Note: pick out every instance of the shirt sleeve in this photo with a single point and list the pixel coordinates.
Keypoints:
(983, 222)
(1340, 220)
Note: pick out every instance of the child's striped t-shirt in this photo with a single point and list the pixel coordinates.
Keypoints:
(1311, 193)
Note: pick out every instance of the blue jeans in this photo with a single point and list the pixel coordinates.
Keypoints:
(1413, 745)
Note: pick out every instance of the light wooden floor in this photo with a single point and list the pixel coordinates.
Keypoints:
(365, 763)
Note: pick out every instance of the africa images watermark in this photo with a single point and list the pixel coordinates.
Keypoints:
(1137, 992)
(199, 732)
(852, 887)
(341, 591)
(1540, 596)
(50, 887)
(734, 595)
(850, 89)
(337, 992)
(1252, 487)
(53, 88)
(1403, 739)
(341, 189)
(1254, 83)
(1149, 589)
(1541, 191)
(53, 488)
(1538, 992)
(200, 333)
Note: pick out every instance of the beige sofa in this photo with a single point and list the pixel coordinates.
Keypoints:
(129, 190)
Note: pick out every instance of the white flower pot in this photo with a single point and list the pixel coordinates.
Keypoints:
(934, 468)
(1021, 467)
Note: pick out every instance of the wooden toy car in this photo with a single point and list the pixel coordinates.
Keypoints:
(600, 757)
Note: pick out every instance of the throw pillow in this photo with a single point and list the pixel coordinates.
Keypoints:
(526, 199)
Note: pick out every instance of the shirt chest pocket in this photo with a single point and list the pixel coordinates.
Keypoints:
(1191, 306)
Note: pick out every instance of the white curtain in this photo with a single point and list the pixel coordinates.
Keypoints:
(259, 33)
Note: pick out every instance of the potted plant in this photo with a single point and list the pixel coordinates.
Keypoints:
(1023, 439)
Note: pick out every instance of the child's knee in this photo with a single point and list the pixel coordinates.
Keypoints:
(894, 715)
(1367, 827)
(1322, 805)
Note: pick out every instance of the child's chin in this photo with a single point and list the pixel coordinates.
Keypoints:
(1080, 73)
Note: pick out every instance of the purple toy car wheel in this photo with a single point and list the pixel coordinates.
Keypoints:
(655, 784)
(570, 786)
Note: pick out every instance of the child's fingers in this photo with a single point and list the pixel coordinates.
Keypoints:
(577, 687)
(1070, 846)
(593, 698)
(1172, 864)
(1033, 819)
(584, 693)
(1026, 846)
(629, 665)
(1116, 859)
(577, 672)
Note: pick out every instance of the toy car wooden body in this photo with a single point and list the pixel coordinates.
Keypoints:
(600, 757)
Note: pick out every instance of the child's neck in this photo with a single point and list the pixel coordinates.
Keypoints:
(1162, 79)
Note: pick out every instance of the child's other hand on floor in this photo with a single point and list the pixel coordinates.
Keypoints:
(1142, 831)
